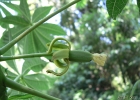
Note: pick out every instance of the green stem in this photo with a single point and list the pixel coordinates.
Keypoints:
(134, 88)
(16, 79)
(2, 86)
(2, 77)
(4, 58)
(16, 86)
(14, 41)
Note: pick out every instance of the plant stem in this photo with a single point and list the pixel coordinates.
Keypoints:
(1, 76)
(16, 86)
(14, 41)
(16, 79)
(4, 58)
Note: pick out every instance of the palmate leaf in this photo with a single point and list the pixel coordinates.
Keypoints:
(6, 38)
(114, 7)
(53, 29)
(16, 20)
(17, 30)
(35, 42)
(25, 9)
(41, 40)
(38, 38)
(35, 64)
(40, 13)
(38, 82)
(13, 7)
(5, 11)
(29, 44)
(8, 73)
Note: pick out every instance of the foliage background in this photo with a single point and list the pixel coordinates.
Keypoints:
(89, 28)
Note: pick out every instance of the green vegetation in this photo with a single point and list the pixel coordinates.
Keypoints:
(88, 31)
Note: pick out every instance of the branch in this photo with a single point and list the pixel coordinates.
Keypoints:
(16, 79)
(14, 41)
(16, 86)
(4, 58)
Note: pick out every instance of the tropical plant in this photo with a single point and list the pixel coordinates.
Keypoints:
(25, 37)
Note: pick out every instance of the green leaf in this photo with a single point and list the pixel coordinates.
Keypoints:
(35, 64)
(16, 20)
(38, 82)
(41, 39)
(25, 9)
(5, 11)
(40, 13)
(20, 97)
(29, 45)
(138, 4)
(17, 30)
(8, 73)
(11, 63)
(6, 38)
(114, 7)
(13, 7)
(0, 15)
(42, 35)
(49, 28)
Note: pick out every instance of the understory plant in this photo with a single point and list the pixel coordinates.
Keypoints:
(29, 37)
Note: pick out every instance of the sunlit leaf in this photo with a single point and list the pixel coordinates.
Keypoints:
(114, 7)
(40, 13)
